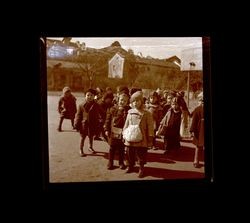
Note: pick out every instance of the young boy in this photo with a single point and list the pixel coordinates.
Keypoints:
(66, 107)
(86, 120)
(114, 123)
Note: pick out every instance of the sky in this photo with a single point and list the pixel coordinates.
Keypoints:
(160, 48)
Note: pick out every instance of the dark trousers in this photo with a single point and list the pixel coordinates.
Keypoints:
(136, 152)
(83, 137)
(116, 148)
(61, 121)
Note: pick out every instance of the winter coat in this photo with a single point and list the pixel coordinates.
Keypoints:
(170, 124)
(87, 118)
(67, 107)
(115, 116)
(197, 126)
(156, 111)
(146, 124)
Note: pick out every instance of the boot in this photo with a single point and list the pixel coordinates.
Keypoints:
(110, 165)
(130, 169)
(111, 159)
(122, 166)
(59, 129)
(141, 171)
(82, 154)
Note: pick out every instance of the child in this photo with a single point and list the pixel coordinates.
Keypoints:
(105, 104)
(139, 116)
(172, 122)
(66, 107)
(185, 113)
(197, 129)
(156, 110)
(86, 120)
(167, 105)
(114, 123)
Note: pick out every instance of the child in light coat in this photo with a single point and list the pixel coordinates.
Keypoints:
(137, 115)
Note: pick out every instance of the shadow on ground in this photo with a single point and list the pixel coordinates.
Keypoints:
(171, 174)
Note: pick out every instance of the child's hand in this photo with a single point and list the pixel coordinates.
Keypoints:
(106, 133)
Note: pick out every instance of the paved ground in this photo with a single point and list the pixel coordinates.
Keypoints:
(65, 164)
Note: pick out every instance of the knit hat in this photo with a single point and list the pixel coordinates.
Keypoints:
(66, 89)
(165, 92)
(134, 89)
(138, 95)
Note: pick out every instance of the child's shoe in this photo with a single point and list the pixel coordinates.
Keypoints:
(92, 150)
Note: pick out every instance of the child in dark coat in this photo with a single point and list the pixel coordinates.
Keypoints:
(105, 104)
(171, 122)
(86, 120)
(114, 123)
(197, 130)
(66, 107)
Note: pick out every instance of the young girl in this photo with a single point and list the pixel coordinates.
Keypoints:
(139, 116)
(86, 120)
(66, 107)
(114, 123)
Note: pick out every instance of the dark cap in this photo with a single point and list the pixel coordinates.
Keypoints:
(123, 89)
(92, 91)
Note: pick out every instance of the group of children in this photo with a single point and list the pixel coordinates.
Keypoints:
(110, 116)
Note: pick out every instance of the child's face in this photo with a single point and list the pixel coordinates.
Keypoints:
(89, 97)
(175, 106)
(137, 103)
(169, 99)
(67, 93)
(153, 99)
(123, 101)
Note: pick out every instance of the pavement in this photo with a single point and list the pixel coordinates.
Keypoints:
(65, 164)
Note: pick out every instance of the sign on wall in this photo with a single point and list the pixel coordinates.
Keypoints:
(116, 66)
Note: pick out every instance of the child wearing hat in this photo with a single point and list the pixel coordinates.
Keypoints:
(66, 107)
(113, 126)
(172, 122)
(197, 130)
(87, 120)
(137, 115)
